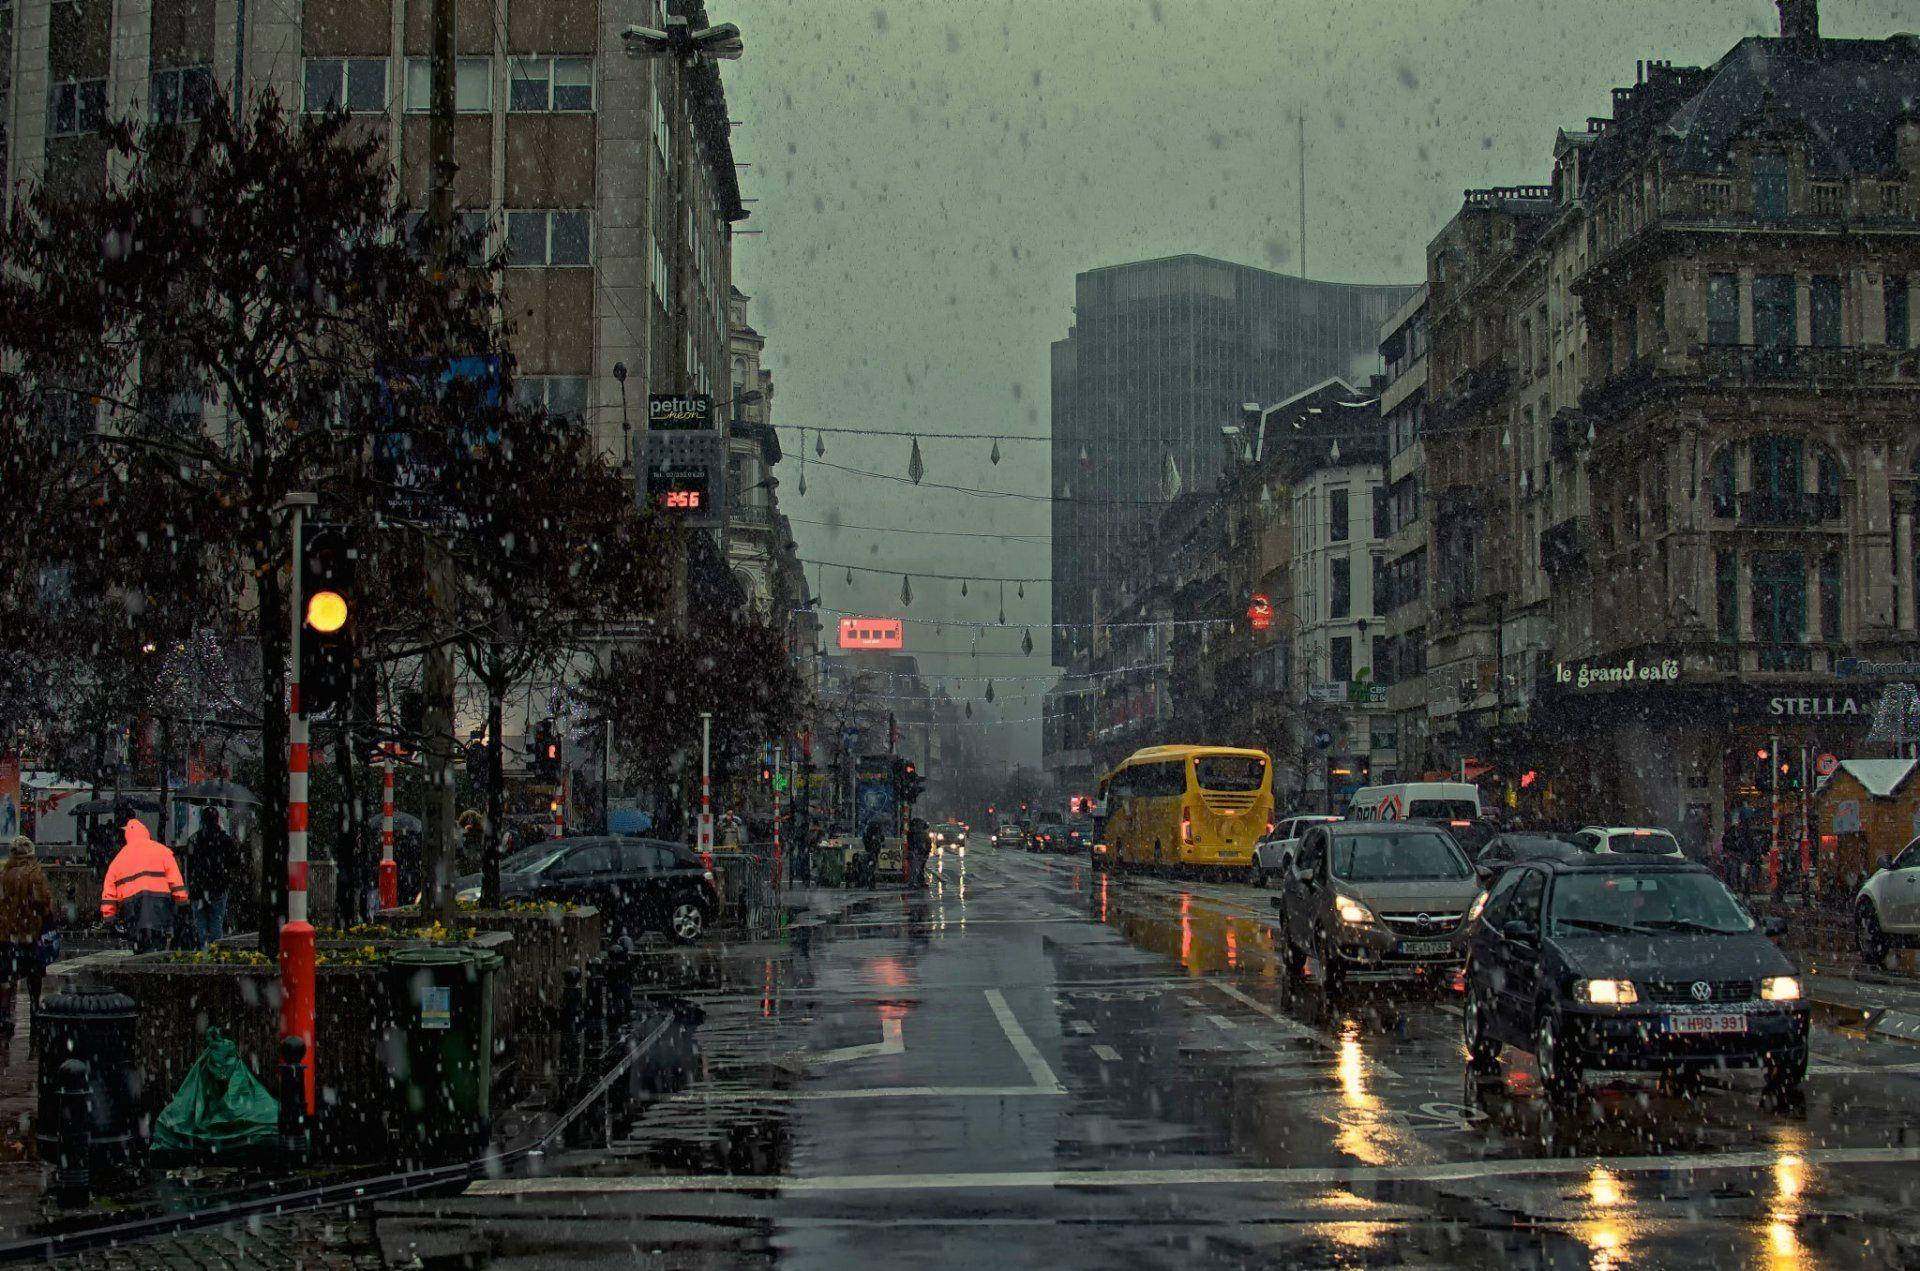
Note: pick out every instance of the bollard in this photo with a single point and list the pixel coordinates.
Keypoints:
(596, 1004)
(73, 1169)
(572, 1026)
(293, 1096)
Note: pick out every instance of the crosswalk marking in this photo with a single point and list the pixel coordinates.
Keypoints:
(1107, 1053)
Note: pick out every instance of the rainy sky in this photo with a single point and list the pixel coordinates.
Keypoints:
(931, 174)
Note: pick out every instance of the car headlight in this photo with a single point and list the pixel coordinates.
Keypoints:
(1780, 988)
(1479, 903)
(1606, 992)
(1352, 911)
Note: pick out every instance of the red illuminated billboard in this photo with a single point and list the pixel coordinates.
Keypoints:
(870, 633)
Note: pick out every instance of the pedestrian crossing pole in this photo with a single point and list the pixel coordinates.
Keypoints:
(296, 935)
(389, 872)
(1773, 847)
(778, 747)
(704, 834)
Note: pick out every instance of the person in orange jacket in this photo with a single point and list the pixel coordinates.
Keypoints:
(142, 887)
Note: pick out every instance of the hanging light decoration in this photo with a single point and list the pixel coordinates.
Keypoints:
(994, 457)
(819, 445)
(915, 469)
(1506, 439)
(969, 710)
(1022, 590)
(906, 590)
(1026, 641)
(1003, 604)
(803, 482)
(989, 693)
(963, 586)
(1335, 453)
(849, 575)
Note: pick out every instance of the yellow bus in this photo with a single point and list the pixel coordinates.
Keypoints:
(1188, 805)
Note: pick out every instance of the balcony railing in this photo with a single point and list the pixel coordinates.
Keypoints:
(1755, 364)
(1785, 657)
(753, 515)
(1772, 507)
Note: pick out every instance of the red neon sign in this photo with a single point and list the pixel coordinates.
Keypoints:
(870, 633)
(1260, 613)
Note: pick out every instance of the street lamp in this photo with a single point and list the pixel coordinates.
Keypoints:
(684, 44)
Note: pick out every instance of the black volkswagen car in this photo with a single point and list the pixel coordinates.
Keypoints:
(1503, 850)
(643, 884)
(1629, 964)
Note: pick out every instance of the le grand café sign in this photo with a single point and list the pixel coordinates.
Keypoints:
(1845, 704)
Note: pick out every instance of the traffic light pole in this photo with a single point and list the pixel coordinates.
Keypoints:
(704, 834)
(296, 934)
(389, 872)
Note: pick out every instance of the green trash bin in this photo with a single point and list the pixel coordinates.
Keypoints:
(439, 1052)
(829, 866)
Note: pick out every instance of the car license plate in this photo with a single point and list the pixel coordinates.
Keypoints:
(1425, 948)
(1714, 1023)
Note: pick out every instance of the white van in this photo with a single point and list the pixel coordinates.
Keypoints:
(1439, 800)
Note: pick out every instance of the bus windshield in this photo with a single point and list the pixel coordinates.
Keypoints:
(1229, 772)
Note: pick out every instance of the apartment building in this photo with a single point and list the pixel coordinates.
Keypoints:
(608, 180)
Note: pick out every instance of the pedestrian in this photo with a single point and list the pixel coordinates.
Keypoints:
(142, 888)
(870, 840)
(217, 867)
(26, 913)
(919, 848)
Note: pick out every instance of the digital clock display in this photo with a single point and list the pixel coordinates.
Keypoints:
(685, 500)
(681, 490)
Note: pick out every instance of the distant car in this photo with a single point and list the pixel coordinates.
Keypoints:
(1611, 840)
(1079, 835)
(641, 884)
(1376, 900)
(948, 834)
(1503, 850)
(1048, 836)
(1629, 962)
(1274, 853)
(1009, 834)
(1471, 835)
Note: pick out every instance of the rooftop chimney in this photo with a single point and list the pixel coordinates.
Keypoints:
(1800, 23)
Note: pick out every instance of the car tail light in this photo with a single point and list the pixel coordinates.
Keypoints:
(1269, 827)
(706, 863)
(1186, 825)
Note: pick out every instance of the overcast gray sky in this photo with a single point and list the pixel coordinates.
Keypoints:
(930, 175)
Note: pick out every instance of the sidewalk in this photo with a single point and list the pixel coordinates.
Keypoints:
(19, 1163)
(1881, 1003)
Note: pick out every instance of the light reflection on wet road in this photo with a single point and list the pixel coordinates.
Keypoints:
(1039, 1064)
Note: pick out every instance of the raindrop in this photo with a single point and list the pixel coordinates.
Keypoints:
(915, 469)
(906, 590)
(995, 456)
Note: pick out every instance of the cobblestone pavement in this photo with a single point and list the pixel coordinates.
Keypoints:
(332, 1240)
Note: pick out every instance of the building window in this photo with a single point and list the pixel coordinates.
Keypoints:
(1773, 311)
(1337, 516)
(1720, 489)
(1381, 592)
(550, 83)
(561, 396)
(1726, 595)
(1779, 608)
(1660, 318)
(472, 85)
(549, 239)
(1382, 660)
(1723, 309)
(1826, 312)
(1340, 587)
(359, 84)
(179, 95)
(1770, 186)
(1777, 464)
(1630, 346)
(76, 107)
(1830, 596)
(1898, 335)
(1340, 659)
(1382, 512)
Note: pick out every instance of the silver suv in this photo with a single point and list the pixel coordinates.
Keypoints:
(1376, 900)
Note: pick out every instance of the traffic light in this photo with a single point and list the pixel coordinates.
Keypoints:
(912, 785)
(546, 751)
(326, 619)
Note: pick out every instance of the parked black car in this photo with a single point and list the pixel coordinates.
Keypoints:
(641, 884)
(1503, 850)
(1629, 964)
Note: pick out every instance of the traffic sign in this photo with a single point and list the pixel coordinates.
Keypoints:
(1826, 765)
(1322, 738)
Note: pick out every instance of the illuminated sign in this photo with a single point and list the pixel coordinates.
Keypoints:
(679, 412)
(1260, 613)
(871, 633)
(680, 489)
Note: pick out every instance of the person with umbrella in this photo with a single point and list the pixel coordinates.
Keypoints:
(217, 866)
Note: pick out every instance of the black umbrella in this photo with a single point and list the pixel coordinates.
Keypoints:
(407, 823)
(125, 803)
(216, 792)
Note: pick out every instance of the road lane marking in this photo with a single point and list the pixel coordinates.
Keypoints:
(1469, 1171)
(1022, 1044)
(1858, 1070)
(1253, 1044)
(892, 1042)
(1289, 1027)
(881, 1092)
(1080, 1026)
(1194, 1002)
(1107, 1053)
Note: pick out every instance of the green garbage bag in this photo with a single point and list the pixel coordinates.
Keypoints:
(220, 1106)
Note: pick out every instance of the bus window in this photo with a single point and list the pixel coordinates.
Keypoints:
(1229, 772)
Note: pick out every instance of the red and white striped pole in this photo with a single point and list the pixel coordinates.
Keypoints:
(389, 872)
(704, 836)
(777, 862)
(296, 935)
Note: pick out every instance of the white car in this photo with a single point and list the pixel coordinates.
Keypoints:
(1272, 854)
(1639, 840)
(1886, 909)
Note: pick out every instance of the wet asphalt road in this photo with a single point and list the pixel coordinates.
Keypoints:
(1035, 1065)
